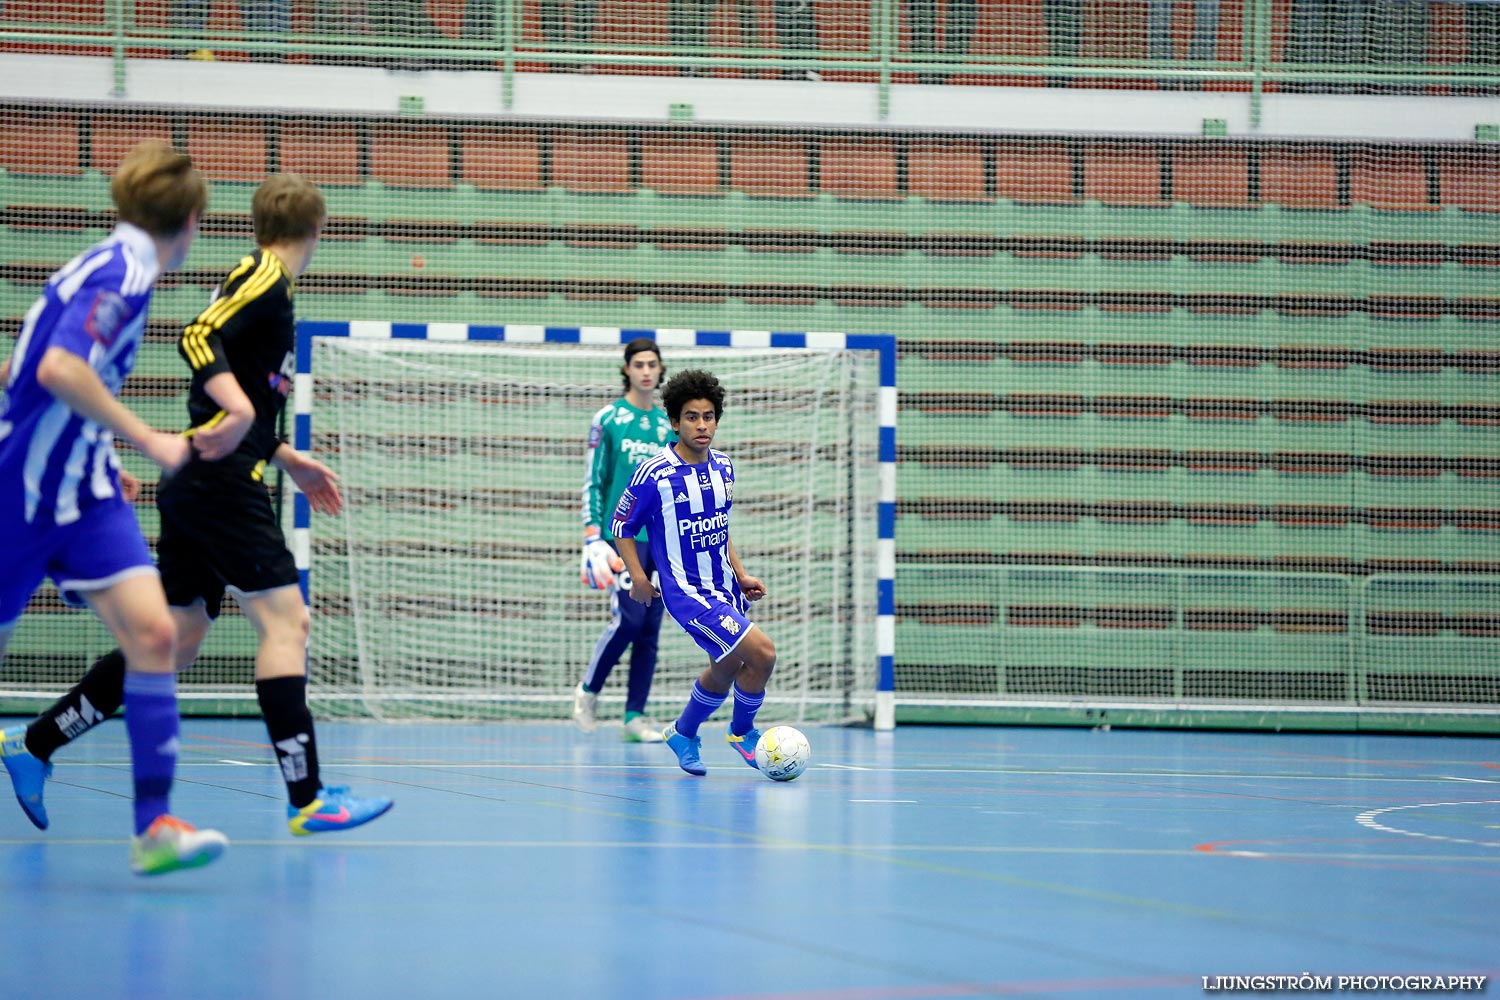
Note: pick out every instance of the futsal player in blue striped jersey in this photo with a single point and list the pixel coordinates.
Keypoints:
(682, 498)
(62, 509)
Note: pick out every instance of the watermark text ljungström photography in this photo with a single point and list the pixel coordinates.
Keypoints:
(1308, 982)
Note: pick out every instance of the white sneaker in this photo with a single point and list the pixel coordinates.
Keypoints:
(585, 705)
(170, 845)
(642, 730)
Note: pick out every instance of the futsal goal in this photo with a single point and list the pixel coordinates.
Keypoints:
(449, 587)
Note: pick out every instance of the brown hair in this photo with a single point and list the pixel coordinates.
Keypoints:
(640, 345)
(158, 189)
(287, 207)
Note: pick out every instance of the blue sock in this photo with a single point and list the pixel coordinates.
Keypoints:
(151, 721)
(700, 706)
(745, 707)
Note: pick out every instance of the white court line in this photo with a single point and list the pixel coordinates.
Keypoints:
(739, 845)
(894, 801)
(1367, 819)
(670, 766)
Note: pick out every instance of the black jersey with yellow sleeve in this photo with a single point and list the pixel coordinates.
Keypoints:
(248, 330)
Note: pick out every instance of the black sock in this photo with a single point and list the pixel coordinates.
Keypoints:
(283, 704)
(92, 700)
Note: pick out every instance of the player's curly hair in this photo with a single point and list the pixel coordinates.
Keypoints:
(695, 383)
(637, 346)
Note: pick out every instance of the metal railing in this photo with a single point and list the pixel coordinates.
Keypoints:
(882, 41)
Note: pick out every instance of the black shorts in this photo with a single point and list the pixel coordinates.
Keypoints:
(218, 531)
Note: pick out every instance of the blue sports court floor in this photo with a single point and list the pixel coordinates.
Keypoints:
(533, 861)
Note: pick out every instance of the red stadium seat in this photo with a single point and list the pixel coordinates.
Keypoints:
(1394, 180)
(769, 166)
(1299, 177)
(682, 163)
(860, 168)
(1122, 174)
(1211, 176)
(941, 170)
(591, 161)
(502, 159)
(412, 156)
(321, 150)
(1029, 171)
(115, 135)
(1470, 179)
(41, 142)
(228, 148)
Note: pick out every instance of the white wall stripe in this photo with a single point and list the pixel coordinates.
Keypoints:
(370, 330)
(526, 334)
(447, 331)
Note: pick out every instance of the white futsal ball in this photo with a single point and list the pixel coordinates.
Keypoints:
(782, 753)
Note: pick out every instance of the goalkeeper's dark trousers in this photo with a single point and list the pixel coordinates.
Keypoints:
(631, 624)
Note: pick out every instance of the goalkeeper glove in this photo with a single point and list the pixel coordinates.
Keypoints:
(600, 561)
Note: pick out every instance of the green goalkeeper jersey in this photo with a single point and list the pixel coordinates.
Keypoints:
(621, 437)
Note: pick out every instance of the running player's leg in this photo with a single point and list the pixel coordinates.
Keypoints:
(102, 691)
(741, 657)
(28, 774)
(134, 609)
(757, 659)
(282, 625)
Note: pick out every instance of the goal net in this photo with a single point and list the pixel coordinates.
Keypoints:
(449, 587)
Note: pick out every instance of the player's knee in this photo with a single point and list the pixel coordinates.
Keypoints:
(298, 626)
(760, 656)
(154, 640)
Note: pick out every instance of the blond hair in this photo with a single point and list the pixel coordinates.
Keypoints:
(287, 207)
(158, 188)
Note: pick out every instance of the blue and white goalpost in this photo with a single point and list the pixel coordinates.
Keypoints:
(449, 588)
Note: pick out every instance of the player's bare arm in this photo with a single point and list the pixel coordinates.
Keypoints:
(641, 589)
(130, 487)
(750, 586)
(220, 437)
(318, 482)
(70, 379)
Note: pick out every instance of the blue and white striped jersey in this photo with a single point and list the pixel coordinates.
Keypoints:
(685, 511)
(54, 464)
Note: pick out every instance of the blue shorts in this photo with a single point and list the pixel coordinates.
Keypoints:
(98, 550)
(718, 630)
